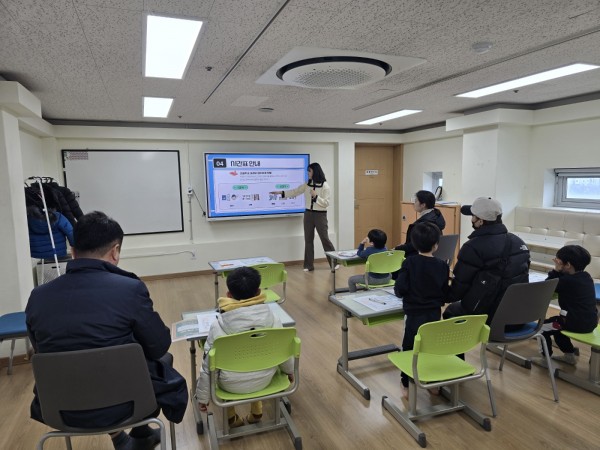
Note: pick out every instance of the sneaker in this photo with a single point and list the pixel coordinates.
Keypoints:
(568, 358)
(253, 418)
(540, 361)
(337, 266)
(308, 270)
(146, 443)
(235, 421)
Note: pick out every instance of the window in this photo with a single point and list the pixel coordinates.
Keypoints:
(433, 181)
(577, 188)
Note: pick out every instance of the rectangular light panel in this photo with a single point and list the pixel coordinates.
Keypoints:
(157, 106)
(531, 79)
(169, 45)
(390, 116)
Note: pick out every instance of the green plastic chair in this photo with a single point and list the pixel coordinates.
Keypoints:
(248, 352)
(382, 262)
(592, 384)
(272, 274)
(433, 363)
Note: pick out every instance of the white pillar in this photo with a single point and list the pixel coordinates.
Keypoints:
(344, 201)
(16, 280)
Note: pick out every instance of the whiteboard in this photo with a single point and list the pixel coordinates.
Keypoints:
(140, 189)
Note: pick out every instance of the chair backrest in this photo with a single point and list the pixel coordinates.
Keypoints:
(447, 248)
(254, 350)
(271, 274)
(452, 336)
(93, 379)
(385, 262)
(522, 303)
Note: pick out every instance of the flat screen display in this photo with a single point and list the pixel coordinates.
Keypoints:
(238, 184)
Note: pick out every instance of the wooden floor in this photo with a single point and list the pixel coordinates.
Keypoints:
(328, 412)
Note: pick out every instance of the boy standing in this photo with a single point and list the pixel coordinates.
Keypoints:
(423, 285)
(242, 310)
(373, 243)
(577, 301)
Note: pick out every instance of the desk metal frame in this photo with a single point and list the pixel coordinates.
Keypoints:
(336, 259)
(286, 321)
(351, 308)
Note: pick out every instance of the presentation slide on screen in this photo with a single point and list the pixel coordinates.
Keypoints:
(240, 184)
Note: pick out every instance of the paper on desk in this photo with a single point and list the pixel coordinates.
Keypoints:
(534, 277)
(347, 253)
(379, 301)
(193, 328)
(235, 263)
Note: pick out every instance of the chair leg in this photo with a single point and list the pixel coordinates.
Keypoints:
(404, 420)
(173, 438)
(68, 439)
(542, 342)
(212, 431)
(490, 392)
(10, 359)
(502, 359)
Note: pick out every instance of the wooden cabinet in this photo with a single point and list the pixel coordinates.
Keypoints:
(451, 214)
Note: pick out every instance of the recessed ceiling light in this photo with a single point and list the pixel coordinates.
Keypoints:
(157, 106)
(390, 116)
(169, 45)
(531, 79)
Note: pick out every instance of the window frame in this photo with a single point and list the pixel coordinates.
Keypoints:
(561, 177)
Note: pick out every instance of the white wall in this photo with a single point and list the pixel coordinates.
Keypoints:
(560, 145)
(279, 238)
(440, 155)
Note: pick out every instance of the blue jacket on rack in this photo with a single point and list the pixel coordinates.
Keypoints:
(39, 238)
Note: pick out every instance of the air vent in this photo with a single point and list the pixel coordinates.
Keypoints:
(320, 68)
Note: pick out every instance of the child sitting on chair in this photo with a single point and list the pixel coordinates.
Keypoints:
(577, 301)
(423, 285)
(242, 310)
(373, 243)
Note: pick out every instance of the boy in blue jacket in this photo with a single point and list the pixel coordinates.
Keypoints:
(373, 243)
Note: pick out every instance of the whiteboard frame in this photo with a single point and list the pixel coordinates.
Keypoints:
(176, 229)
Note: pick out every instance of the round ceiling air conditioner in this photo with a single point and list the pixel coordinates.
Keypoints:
(333, 72)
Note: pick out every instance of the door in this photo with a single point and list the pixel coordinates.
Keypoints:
(373, 191)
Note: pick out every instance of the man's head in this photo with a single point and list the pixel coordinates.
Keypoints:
(425, 236)
(485, 211)
(243, 283)
(377, 237)
(97, 236)
(572, 256)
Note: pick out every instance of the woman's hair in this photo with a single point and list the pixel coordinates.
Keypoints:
(578, 256)
(426, 197)
(318, 174)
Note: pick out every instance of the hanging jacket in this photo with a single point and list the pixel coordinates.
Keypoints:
(39, 238)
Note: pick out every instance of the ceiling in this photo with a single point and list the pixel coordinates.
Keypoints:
(84, 58)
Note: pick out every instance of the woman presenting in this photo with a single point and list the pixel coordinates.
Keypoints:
(316, 194)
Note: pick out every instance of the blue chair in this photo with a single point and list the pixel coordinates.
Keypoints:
(597, 287)
(12, 326)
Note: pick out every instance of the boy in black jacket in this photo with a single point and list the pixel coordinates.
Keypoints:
(576, 298)
(423, 285)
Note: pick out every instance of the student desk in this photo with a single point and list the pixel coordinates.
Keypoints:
(351, 308)
(286, 321)
(345, 258)
(227, 265)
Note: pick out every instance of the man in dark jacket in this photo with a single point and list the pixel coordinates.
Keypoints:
(96, 304)
(490, 248)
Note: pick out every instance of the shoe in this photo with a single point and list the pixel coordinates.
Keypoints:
(235, 421)
(337, 266)
(146, 443)
(568, 358)
(122, 441)
(308, 270)
(540, 361)
(253, 418)
(404, 392)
